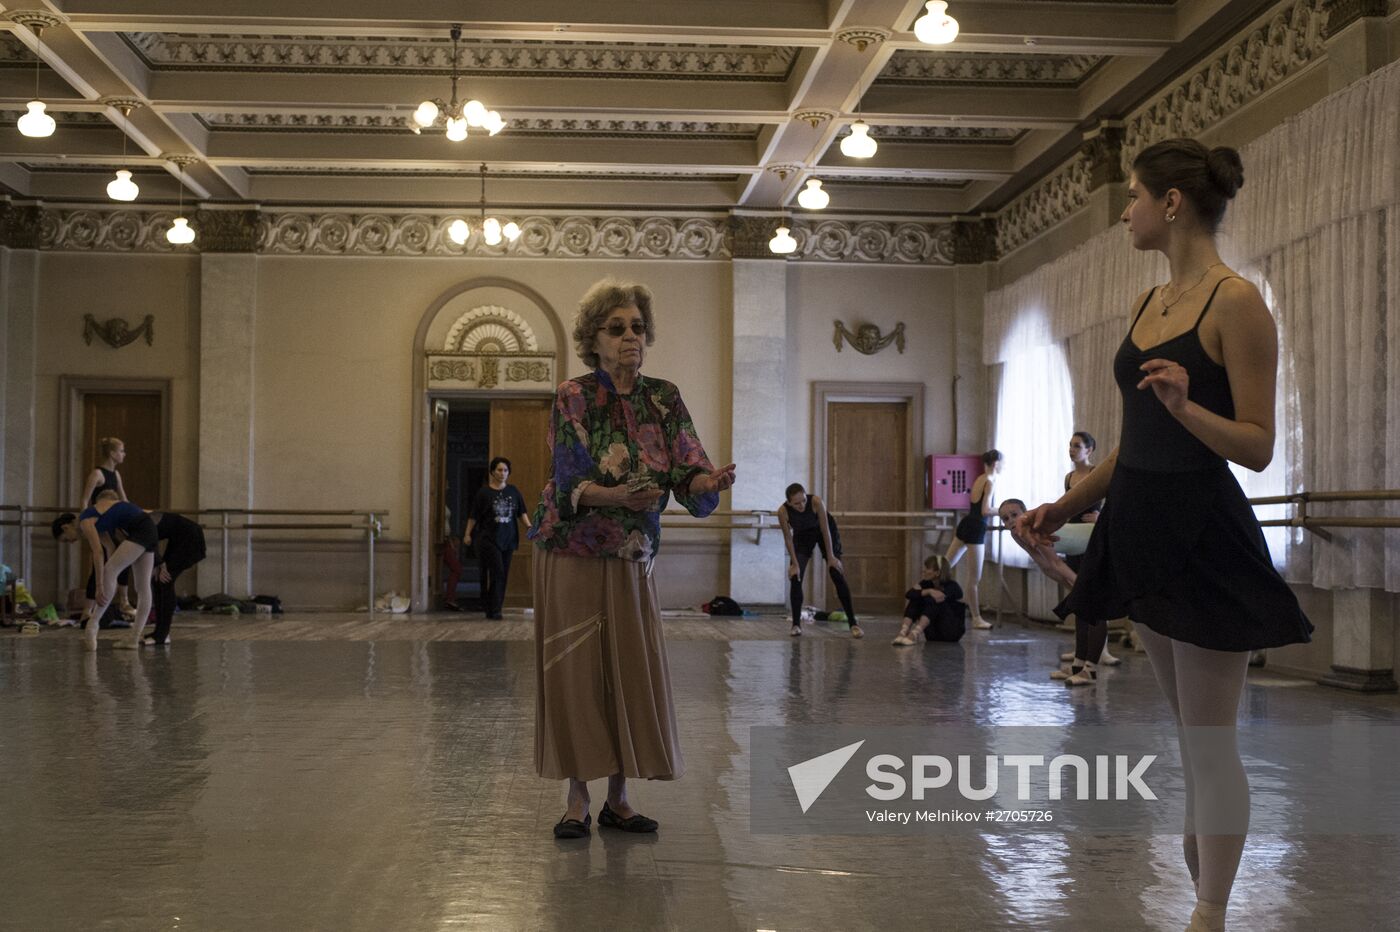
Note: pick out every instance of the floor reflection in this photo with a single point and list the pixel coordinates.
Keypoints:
(388, 784)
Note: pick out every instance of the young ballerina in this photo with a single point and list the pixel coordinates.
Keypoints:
(971, 532)
(106, 478)
(1047, 556)
(120, 535)
(1090, 634)
(937, 601)
(1177, 547)
(806, 527)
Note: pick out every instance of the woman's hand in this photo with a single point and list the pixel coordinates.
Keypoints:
(104, 595)
(1089, 517)
(717, 481)
(643, 499)
(1037, 527)
(1169, 381)
(937, 595)
(162, 574)
(793, 570)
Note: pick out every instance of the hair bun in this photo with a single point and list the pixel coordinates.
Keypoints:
(1226, 170)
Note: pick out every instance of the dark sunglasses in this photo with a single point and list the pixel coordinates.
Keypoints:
(617, 328)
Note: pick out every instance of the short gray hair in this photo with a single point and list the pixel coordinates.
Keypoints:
(601, 300)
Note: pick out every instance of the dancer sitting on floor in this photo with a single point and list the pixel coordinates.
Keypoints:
(807, 526)
(934, 606)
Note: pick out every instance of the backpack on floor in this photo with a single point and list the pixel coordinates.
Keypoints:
(723, 605)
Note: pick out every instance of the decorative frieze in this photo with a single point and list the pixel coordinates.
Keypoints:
(484, 370)
(504, 57)
(979, 68)
(1250, 65)
(227, 230)
(874, 241)
(83, 230)
(1051, 201)
(944, 134)
(1104, 150)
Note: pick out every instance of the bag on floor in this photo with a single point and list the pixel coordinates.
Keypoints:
(723, 605)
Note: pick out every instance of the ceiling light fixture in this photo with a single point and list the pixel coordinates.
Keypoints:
(859, 145)
(458, 231)
(492, 230)
(122, 188)
(455, 116)
(180, 233)
(782, 242)
(936, 27)
(813, 197)
(36, 124)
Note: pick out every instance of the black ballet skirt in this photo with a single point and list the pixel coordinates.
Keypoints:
(1177, 547)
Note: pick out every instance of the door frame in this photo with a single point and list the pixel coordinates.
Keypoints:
(825, 394)
(420, 411)
(72, 393)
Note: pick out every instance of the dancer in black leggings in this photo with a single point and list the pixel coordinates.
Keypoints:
(807, 526)
(184, 547)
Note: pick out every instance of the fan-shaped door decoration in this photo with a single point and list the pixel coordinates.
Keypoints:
(491, 329)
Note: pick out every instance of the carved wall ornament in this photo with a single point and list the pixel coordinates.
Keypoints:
(867, 338)
(1104, 150)
(1342, 13)
(1064, 192)
(19, 226)
(873, 241)
(974, 241)
(116, 332)
(490, 370)
(227, 230)
(491, 329)
(527, 371)
(916, 66)
(862, 37)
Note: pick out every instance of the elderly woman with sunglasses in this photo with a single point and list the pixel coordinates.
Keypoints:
(622, 444)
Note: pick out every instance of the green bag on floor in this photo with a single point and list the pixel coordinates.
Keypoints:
(48, 615)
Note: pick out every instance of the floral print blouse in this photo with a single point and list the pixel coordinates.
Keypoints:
(598, 435)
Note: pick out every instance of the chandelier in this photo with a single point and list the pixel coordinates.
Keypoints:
(492, 230)
(454, 115)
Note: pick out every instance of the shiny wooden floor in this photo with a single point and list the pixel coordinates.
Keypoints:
(341, 773)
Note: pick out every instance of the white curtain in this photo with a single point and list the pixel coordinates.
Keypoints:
(1317, 227)
(1035, 403)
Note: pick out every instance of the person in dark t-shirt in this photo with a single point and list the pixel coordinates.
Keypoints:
(491, 529)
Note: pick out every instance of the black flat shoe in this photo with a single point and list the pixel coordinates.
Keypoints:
(634, 823)
(573, 828)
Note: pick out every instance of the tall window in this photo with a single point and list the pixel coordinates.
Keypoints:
(1034, 418)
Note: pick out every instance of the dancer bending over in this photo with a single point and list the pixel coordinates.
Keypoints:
(807, 526)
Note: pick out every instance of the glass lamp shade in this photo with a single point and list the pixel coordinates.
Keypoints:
(936, 27)
(456, 129)
(122, 188)
(511, 231)
(813, 197)
(782, 242)
(458, 231)
(493, 123)
(426, 114)
(36, 122)
(180, 233)
(858, 145)
(491, 231)
(475, 112)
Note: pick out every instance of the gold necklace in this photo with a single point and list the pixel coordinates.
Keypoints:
(1181, 294)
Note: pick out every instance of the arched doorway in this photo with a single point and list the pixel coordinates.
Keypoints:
(492, 350)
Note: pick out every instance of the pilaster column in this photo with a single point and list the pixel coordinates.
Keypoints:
(1108, 182)
(1356, 40)
(759, 407)
(1363, 641)
(19, 293)
(974, 248)
(227, 320)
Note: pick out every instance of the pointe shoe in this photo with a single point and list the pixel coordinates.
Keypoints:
(1085, 677)
(1108, 660)
(1067, 657)
(796, 631)
(856, 632)
(1207, 917)
(126, 644)
(1063, 674)
(903, 640)
(981, 625)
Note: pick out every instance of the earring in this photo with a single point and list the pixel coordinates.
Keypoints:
(1171, 217)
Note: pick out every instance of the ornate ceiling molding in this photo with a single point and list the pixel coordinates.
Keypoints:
(84, 230)
(985, 135)
(1245, 68)
(572, 237)
(874, 241)
(378, 122)
(941, 68)
(1049, 203)
(166, 51)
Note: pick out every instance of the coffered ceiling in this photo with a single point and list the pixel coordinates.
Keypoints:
(620, 104)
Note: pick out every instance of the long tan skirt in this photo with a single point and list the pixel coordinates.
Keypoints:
(603, 698)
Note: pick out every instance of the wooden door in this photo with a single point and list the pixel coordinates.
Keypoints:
(437, 501)
(135, 417)
(868, 470)
(519, 432)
